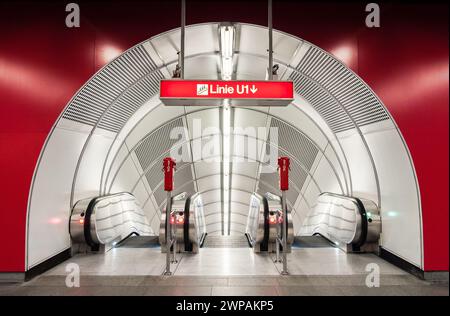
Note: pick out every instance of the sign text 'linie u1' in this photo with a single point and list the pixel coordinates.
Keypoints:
(213, 92)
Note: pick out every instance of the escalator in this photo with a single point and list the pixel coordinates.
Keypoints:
(234, 241)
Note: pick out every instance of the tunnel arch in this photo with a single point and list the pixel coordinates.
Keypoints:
(334, 111)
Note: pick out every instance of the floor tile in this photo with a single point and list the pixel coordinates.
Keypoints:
(245, 291)
(178, 291)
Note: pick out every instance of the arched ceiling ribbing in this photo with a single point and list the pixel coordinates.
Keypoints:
(340, 99)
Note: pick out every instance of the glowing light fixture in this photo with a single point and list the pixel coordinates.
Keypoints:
(226, 40)
(227, 33)
(180, 219)
(226, 120)
(345, 53)
(227, 48)
(272, 219)
(108, 53)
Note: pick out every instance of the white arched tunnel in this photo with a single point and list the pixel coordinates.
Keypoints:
(114, 133)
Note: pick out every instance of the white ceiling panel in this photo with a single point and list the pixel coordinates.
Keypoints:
(203, 169)
(240, 196)
(244, 118)
(213, 218)
(210, 197)
(245, 168)
(204, 122)
(208, 183)
(199, 38)
(243, 183)
(202, 67)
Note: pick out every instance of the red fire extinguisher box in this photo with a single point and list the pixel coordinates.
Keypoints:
(283, 170)
(169, 168)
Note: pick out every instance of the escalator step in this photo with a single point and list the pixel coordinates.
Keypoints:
(139, 242)
(234, 241)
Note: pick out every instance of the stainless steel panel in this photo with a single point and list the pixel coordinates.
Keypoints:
(339, 218)
(197, 225)
(256, 221)
(112, 218)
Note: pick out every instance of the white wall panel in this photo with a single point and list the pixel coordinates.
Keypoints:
(302, 211)
(338, 151)
(157, 117)
(111, 172)
(134, 120)
(49, 211)
(126, 178)
(140, 193)
(91, 166)
(299, 120)
(326, 178)
(361, 169)
(310, 191)
(155, 222)
(401, 223)
(331, 156)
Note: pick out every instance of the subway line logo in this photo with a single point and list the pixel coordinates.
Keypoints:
(202, 89)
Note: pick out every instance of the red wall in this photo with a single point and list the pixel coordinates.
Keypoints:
(43, 63)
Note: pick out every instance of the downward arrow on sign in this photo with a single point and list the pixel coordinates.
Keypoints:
(253, 89)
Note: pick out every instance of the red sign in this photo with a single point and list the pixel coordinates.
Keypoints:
(212, 92)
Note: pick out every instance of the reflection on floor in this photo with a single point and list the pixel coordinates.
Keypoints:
(225, 262)
(230, 286)
(226, 271)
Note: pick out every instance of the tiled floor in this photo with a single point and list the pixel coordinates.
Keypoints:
(334, 261)
(225, 286)
(225, 271)
(117, 261)
(225, 262)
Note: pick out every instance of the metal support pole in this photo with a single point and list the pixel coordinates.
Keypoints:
(277, 249)
(183, 25)
(269, 14)
(168, 232)
(284, 232)
(277, 240)
(174, 242)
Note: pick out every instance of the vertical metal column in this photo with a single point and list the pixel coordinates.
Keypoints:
(284, 232)
(168, 232)
(283, 168)
(269, 14)
(174, 241)
(183, 25)
(168, 169)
